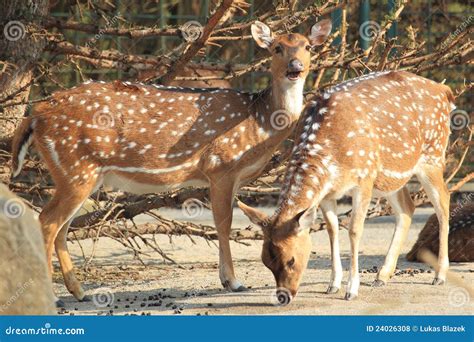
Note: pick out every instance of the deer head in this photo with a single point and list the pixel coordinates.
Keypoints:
(291, 53)
(286, 247)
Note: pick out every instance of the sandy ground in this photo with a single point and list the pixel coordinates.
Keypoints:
(119, 284)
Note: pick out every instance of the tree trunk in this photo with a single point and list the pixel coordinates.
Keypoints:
(19, 53)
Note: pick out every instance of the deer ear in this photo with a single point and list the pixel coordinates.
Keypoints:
(262, 34)
(320, 31)
(255, 216)
(304, 219)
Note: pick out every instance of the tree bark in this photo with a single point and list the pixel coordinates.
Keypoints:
(19, 52)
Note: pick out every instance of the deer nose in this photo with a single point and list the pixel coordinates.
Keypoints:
(295, 65)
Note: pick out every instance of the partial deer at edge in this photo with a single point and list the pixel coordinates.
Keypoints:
(144, 138)
(367, 136)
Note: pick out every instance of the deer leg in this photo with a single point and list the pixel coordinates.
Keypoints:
(222, 199)
(66, 265)
(431, 178)
(360, 204)
(329, 209)
(54, 221)
(403, 207)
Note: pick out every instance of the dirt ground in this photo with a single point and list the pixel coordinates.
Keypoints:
(120, 285)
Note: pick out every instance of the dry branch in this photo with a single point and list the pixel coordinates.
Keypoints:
(124, 32)
(194, 48)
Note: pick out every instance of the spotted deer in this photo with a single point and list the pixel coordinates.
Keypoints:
(367, 136)
(461, 234)
(147, 138)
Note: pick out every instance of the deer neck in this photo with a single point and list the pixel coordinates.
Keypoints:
(278, 108)
(312, 171)
(288, 96)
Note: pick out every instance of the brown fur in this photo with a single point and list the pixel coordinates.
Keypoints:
(461, 235)
(148, 75)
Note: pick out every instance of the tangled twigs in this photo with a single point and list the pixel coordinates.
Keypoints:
(128, 210)
(197, 45)
(125, 32)
(170, 227)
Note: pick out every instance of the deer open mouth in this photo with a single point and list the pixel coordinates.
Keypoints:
(293, 75)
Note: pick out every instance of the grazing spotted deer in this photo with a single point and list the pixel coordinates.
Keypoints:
(144, 138)
(367, 136)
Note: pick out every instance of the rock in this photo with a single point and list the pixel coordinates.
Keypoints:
(25, 286)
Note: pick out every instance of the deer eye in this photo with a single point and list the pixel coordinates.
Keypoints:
(291, 262)
(278, 49)
(308, 47)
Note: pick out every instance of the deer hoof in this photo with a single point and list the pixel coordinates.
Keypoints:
(241, 288)
(60, 303)
(350, 296)
(378, 283)
(227, 285)
(437, 281)
(332, 289)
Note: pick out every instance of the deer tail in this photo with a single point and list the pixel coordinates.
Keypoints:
(21, 142)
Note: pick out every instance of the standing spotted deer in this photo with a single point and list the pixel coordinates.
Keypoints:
(366, 136)
(144, 138)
